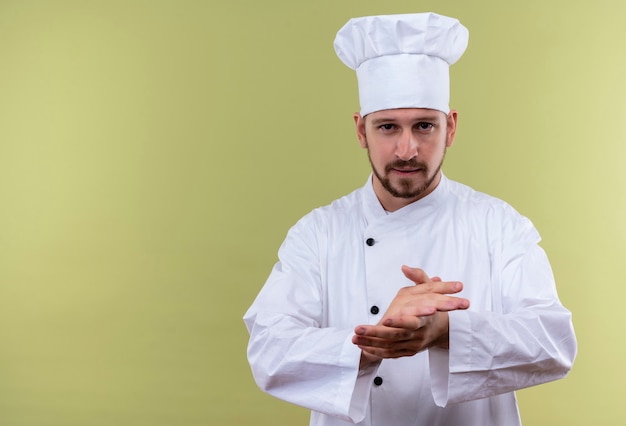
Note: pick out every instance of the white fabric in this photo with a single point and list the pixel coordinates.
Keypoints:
(516, 333)
(402, 61)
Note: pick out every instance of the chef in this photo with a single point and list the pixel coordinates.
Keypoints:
(413, 300)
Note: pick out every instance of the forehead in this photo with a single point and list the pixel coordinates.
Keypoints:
(405, 114)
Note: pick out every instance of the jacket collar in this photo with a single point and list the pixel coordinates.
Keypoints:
(374, 211)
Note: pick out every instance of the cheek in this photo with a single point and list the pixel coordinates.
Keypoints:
(380, 156)
(436, 149)
(386, 149)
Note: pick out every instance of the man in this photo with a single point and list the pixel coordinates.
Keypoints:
(414, 300)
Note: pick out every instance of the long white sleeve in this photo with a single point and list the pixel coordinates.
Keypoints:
(292, 356)
(525, 340)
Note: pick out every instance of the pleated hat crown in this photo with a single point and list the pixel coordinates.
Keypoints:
(402, 61)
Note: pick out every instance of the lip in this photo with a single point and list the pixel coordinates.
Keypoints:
(406, 171)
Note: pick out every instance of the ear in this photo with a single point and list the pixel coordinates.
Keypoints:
(451, 127)
(359, 123)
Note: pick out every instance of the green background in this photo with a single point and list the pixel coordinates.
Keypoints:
(153, 155)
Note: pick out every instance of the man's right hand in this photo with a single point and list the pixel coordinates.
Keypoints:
(416, 319)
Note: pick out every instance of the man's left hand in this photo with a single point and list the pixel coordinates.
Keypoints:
(417, 318)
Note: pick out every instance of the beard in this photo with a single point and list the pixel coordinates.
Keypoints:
(407, 188)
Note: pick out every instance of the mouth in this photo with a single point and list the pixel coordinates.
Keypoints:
(406, 171)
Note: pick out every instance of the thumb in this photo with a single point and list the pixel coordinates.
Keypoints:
(417, 275)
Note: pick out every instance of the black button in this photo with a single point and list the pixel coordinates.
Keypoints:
(369, 242)
(374, 310)
(378, 380)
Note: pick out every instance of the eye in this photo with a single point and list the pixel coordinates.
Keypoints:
(424, 126)
(387, 127)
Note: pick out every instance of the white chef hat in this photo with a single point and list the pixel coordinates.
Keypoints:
(402, 61)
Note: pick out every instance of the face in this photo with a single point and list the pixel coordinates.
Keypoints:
(406, 148)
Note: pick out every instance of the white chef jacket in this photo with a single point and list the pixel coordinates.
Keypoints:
(339, 267)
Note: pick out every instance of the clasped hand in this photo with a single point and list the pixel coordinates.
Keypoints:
(416, 319)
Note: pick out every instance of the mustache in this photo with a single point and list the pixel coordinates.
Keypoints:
(408, 164)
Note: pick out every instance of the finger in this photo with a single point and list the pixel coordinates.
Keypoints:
(422, 307)
(431, 303)
(408, 322)
(382, 336)
(393, 352)
(417, 275)
(370, 342)
(440, 287)
(444, 303)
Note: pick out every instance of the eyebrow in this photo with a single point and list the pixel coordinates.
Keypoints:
(382, 120)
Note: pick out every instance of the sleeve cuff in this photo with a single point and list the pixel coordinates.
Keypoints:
(358, 383)
(443, 363)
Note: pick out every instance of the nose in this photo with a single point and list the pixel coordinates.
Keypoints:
(406, 147)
